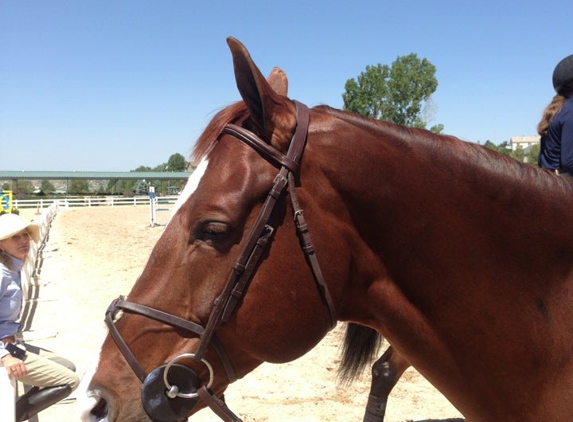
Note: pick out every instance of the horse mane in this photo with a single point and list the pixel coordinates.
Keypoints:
(454, 149)
(448, 146)
(211, 133)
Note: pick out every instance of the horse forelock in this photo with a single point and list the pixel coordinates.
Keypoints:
(209, 136)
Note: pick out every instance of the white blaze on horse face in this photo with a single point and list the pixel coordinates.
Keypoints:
(85, 399)
(190, 187)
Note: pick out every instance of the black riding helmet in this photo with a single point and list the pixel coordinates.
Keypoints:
(563, 73)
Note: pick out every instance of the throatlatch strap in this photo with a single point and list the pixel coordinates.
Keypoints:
(308, 249)
(217, 405)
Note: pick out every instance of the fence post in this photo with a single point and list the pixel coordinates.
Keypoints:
(7, 396)
(152, 207)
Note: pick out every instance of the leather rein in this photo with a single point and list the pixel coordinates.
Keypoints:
(242, 271)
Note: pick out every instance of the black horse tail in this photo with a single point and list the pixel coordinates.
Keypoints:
(361, 346)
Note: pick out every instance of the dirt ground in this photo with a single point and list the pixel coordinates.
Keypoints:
(95, 254)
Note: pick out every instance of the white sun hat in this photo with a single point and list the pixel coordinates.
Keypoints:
(11, 224)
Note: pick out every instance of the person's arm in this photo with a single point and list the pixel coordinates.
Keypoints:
(15, 367)
(567, 143)
(3, 352)
(3, 284)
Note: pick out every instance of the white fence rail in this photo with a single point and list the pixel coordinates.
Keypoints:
(33, 264)
(89, 201)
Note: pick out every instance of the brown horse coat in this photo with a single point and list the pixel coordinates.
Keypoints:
(459, 256)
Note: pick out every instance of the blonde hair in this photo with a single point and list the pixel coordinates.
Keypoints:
(553, 108)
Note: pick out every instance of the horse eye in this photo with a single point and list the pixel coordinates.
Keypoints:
(215, 231)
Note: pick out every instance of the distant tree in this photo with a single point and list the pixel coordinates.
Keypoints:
(111, 186)
(141, 187)
(504, 147)
(176, 163)
(533, 155)
(47, 187)
(127, 185)
(396, 94)
(25, 186)
(78, 187)
(518, 154)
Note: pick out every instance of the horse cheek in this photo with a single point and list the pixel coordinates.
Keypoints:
(295, 318)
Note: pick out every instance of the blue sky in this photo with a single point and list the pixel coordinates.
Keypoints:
(102, 85)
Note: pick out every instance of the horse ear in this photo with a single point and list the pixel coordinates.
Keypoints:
(278, 81)
(260, 95)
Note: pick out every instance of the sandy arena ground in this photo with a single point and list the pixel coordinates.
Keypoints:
(95, 254)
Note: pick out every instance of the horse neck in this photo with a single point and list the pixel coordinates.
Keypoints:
(380, 167)
(415, 200)
(444, 246)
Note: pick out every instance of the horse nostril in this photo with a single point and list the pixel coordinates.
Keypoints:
(93, 407)
(100, 410)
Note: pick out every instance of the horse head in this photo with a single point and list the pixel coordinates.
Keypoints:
(223, 289)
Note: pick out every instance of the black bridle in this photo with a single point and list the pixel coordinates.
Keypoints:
(224, 305)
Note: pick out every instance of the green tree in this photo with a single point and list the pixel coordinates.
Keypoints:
(78, 187)
(518, 154)
(504, 147)
(396, 94)
(25, 186)
(176, 163)
(533, 154)
(47, 187)
(141, 187)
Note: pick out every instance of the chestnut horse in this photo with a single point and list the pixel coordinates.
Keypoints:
(460, 257)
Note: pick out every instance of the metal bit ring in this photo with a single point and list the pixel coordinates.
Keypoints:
(173, 390)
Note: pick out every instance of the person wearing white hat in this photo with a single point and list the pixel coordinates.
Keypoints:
(556, 125)
(51, 377)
